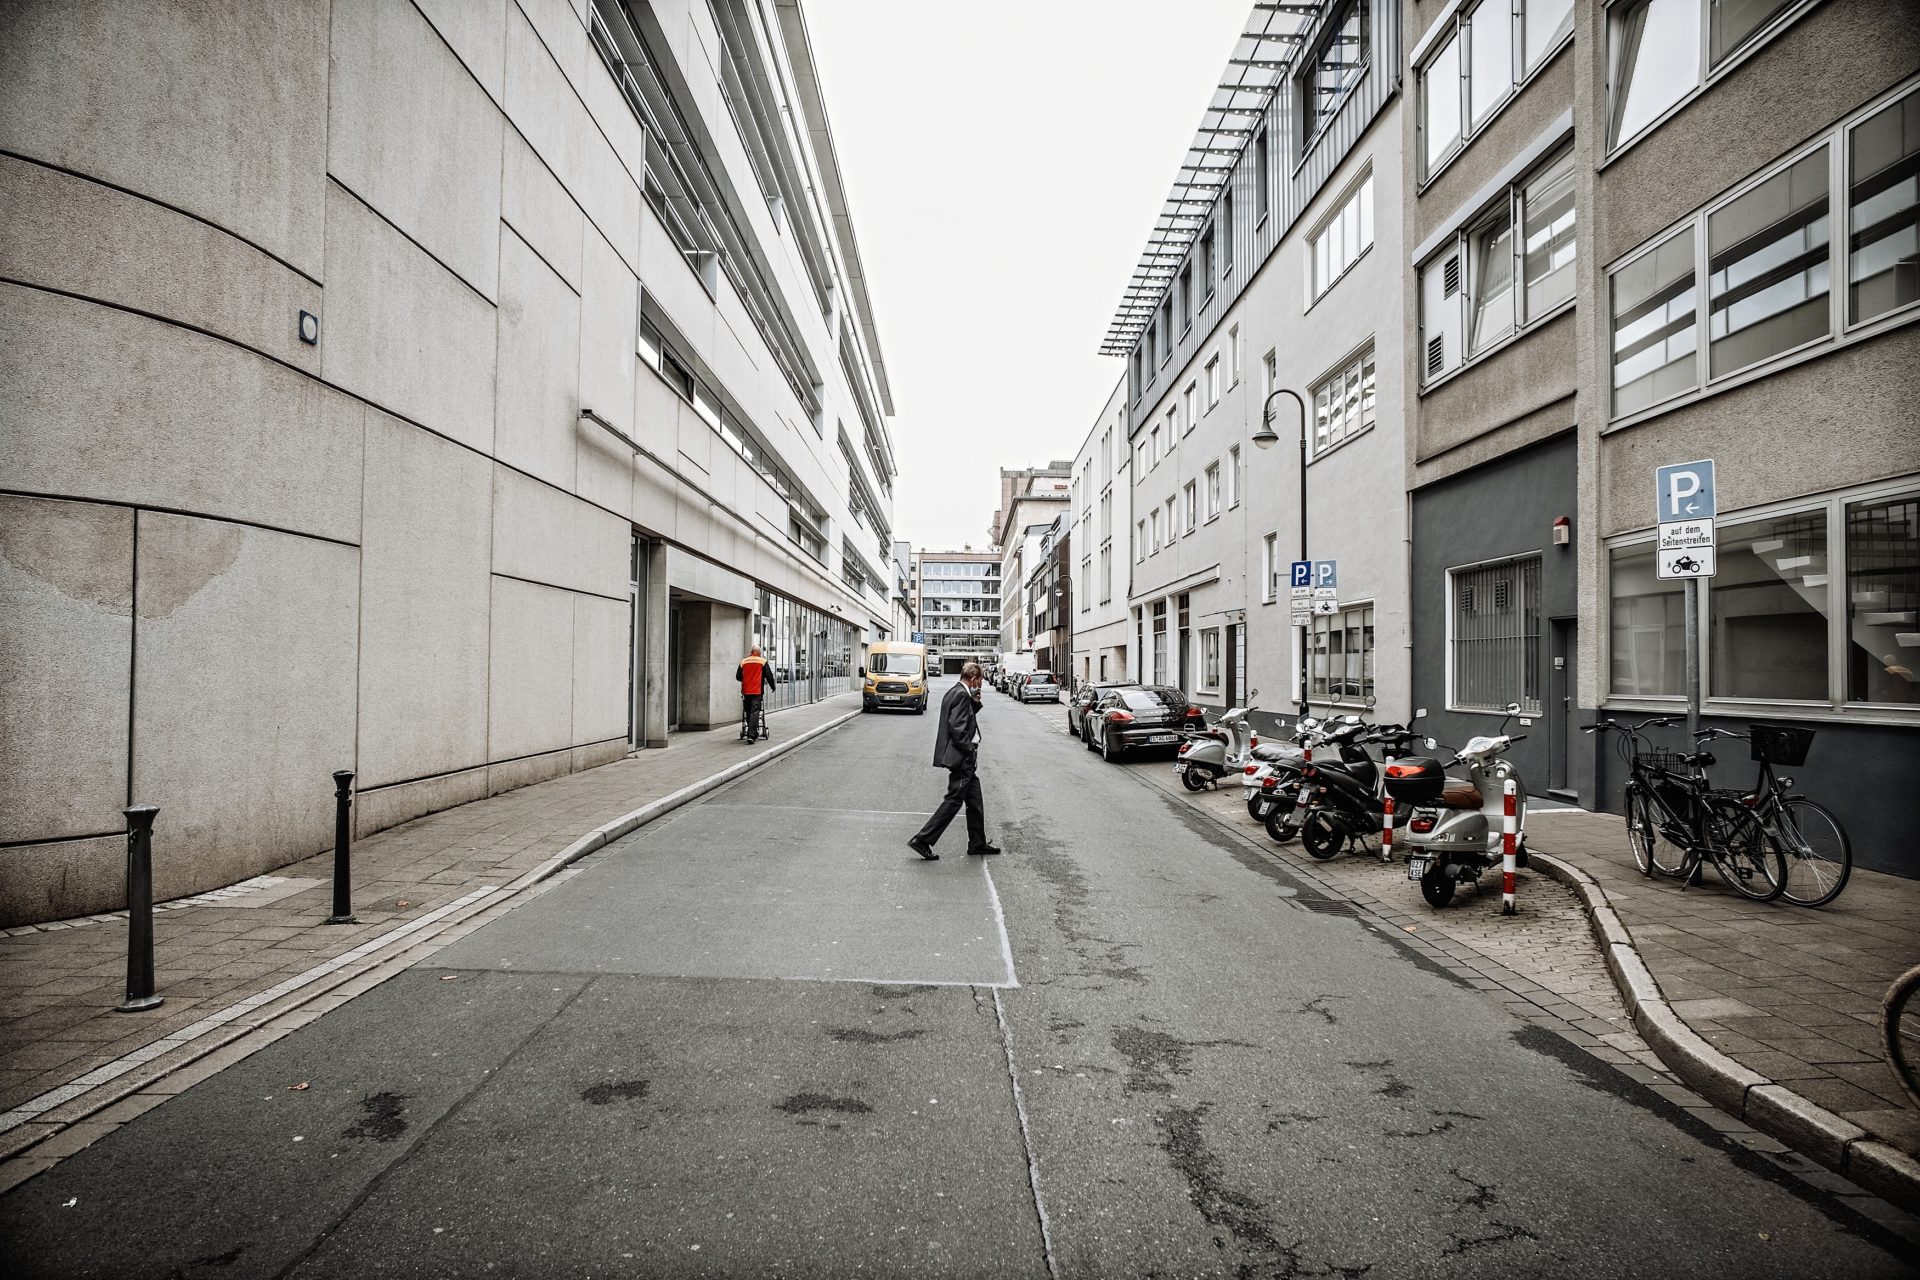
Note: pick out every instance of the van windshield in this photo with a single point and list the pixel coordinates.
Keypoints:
(894, 664)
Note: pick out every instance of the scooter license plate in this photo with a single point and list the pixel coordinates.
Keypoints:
(1416, 868)
(1180, 766)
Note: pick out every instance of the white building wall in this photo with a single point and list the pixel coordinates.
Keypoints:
(1102, 560)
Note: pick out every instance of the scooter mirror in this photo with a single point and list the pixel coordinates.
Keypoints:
(1252, 694)
(1513, 708)
(1432, 743)
(1421, 714)
(1371, 702)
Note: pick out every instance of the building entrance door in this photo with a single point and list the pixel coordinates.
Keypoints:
(1560, 709)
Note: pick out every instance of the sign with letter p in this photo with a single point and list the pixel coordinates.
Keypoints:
(1684, 491)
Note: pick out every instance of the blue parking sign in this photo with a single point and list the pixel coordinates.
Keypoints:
(1326, 573)
(1684, 491)
(1302, 573)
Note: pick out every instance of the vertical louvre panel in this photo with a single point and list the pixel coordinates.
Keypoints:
(1496, 636)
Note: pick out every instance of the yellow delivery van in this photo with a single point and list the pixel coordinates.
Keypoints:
(895, 676)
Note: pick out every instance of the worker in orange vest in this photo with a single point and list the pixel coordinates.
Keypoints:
(756, 680)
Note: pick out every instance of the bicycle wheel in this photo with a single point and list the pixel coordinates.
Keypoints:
(1819, 855)
(1744, 852)
(1900, 1031)
(1652, 850)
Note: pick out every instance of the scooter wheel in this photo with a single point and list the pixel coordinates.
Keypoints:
(1282, 827)
(1196, 779)
(1253, 807)
(1437, 887)
(1321, 835)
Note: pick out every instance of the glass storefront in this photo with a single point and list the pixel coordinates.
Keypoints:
(814, 655)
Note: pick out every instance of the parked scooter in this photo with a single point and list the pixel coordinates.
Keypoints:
(1221, 748)
(1272, 777)
(1451, 828)
(1340, 800)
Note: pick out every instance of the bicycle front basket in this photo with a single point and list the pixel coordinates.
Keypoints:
(1782, 744)
(1661, 761)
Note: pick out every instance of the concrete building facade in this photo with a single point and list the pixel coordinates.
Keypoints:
(1102, 507)
(959, 606)
(1031, 498)
(447, 392)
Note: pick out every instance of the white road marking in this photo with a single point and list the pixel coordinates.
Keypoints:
(1000, 919)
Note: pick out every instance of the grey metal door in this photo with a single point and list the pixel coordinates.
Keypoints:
(1560, 708)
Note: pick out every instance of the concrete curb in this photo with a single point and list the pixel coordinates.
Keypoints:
(28, 1150)
(1773, 1109)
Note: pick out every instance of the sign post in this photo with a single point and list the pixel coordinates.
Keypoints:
(1313, 590)
(1685, 505)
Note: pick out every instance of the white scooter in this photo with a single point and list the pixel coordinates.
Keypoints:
(1453, 829)
(1211, 753)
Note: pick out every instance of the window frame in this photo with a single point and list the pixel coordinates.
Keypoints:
(1213, 507)
(1270, 569)
(1455, 28)
(1211, 648)
(1233, 477)
(1313, 123)
(1362, 183)
(1706, 74)
(1453, 703)
(1510, 204)
(1189, 508)
(1836, 706)
(1359, 357)
(1840, 333)
(1330, 623)
(1213, 383)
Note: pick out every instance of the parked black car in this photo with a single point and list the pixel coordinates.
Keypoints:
(1082, 702)
(1142, 716)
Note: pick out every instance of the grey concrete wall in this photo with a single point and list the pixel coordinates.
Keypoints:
(239, 561)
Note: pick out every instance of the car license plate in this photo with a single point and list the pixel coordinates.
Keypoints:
(891, 697)
(1164, 737)
(1416, 868)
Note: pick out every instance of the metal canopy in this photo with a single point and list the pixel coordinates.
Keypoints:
(1268, 45)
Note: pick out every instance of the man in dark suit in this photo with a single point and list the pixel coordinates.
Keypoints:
(956, 748)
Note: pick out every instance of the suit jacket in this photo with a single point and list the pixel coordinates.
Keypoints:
(953, 734)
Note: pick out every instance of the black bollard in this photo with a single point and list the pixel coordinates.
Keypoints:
(342, 849)
(140, 909)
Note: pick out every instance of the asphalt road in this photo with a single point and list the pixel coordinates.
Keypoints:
(761, 1038)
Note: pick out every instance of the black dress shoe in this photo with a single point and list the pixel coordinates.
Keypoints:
(924, 849)
(985, 849)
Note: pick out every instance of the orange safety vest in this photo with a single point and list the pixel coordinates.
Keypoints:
(752, 672)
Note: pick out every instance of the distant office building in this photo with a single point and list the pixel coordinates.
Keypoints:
(448, 400)
(1031, 498)
(958, 606)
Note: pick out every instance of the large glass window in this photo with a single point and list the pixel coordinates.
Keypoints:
(1335, 67)
(1767, 625)
(1655, 61)
(1654, 326)
(1346, 234)
(1883, 600)
(1489, 59)
(1547, 242)
(1440, 104)
(1542, 25)
(1343, 405)
(1647, 627)
(1767, 267)
(1340, 655)
(1210, 659)
(1883, 211)
(1492, 284)
(1730, 22)
(1495, 640)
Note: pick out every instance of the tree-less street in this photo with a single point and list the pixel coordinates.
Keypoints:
(761, 1037)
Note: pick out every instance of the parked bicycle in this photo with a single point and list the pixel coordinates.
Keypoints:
(1900, 1031)
(1819, 855)
(1676, 822)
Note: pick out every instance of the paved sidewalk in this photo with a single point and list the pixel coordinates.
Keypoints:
(59, 983)
(1791, 993)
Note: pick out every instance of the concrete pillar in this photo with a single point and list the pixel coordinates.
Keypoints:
(654, 589)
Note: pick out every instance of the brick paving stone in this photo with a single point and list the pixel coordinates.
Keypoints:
(59, 983)
(1813, 979)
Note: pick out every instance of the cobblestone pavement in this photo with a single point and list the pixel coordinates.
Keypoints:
(1792, 993)
(59, 983)
(1545, 964)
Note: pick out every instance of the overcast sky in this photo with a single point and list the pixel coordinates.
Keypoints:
(1004, 162)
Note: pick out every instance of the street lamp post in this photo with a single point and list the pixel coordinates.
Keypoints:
(1266, 437)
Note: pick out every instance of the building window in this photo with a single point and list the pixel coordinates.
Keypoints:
(1190, 403)
(1340, 655)
(1270, 567)
(1153, 445)
(1213, 383)
(1663, 50)
(1186, 297)
(1106, 576)
(1469, 302)
(1767, 632)
(1153, 527)
(1086, 584)
(1440, 104)
(1261, 167)
(1206, 262)
(1473, 72)
(1226, 234)
(1646, 625)
(1494, 645)
(1343, 405)
(1233, 476)
(1769, 262)
(1140, 542)
(1339, 60)
(1882, 587)
(1190, 507)
(1233, 356)
(1160, 642)
(1213, 491)
(1883, 211)
(1269, 374)
(1210, 660)
(1166, 329)
(1543, 24)
(1342, 238)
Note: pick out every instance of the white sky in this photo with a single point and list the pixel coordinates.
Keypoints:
(1004, 163)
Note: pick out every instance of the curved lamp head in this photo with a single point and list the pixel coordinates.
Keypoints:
(1266, 437)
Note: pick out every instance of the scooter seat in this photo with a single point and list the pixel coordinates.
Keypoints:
(1461, 795)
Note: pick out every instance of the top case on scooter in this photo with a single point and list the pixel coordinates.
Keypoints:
(1416, 780)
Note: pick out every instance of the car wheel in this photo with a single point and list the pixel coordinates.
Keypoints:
(1107, 751)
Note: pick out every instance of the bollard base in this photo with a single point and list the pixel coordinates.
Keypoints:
(142, 1003)
(1508, 909)
(343, 919)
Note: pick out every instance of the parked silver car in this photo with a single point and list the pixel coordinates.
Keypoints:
(1039, 687)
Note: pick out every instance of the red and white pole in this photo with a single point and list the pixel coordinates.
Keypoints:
(1509, 838)
(1386, 832)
